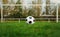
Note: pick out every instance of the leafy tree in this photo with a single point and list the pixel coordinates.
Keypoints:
(17, 11)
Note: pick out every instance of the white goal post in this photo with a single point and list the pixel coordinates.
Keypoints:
(57, 14)
(1, 13)
(21, 5)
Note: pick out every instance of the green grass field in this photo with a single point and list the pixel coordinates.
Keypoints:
(38, 29)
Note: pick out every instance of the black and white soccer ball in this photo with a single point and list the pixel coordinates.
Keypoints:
(30, 20)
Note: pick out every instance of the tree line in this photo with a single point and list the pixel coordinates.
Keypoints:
(19, 11)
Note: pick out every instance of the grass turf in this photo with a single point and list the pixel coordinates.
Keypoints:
(38, 29)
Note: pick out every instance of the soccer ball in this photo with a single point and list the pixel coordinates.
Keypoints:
(30, 20)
